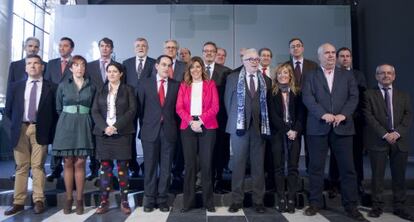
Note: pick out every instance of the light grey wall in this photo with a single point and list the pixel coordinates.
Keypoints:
(230, 26)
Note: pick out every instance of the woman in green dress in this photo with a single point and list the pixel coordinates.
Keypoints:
(73, 138)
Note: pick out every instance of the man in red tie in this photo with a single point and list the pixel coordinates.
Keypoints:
(157, 97)
(265, 65)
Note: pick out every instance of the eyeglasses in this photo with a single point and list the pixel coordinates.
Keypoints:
(252, 59)
(209, 51)
(170, 47)
(296, 46)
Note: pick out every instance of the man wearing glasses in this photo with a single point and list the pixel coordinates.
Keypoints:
(245, 101)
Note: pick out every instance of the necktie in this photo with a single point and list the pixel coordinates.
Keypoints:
(103, 70)
(161, 92)
(171, 71)
(252, 86)
(63, 65)
(264, 71)
(31, 113)
(139, 69)
(208, 71)
(388, 105)
(298, 73)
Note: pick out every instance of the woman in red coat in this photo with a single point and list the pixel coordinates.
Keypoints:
(197, 106)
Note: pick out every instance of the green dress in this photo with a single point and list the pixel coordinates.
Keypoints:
(73, 135)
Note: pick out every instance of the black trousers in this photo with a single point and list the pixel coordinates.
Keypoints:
(157, 155)
(286, 151)
(201, 145)
(221, 153)
(341, 147)
(398, 165)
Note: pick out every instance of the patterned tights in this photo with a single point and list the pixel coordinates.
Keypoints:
(106, 174)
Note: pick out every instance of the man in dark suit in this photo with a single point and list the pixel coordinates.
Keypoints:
(96, 71)
(17, 69)
(185, 55)
(56, 71)
(245, 101)
(221, 154)
(331, 97)
(221, 56)
(344, 61)
(30, 107)
(301, 67)
(157, 97)
(176, 72)
(136, 68)
(388, 114)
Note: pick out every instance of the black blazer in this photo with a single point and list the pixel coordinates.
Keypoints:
(296, 113)
(318, 100)
(17, 71)
(131, 75)
(126, 107)
(308, 66)
(54, 71)
(151, 111)
(375, 112)
(93, 71)
(219, 76)
(46, 114)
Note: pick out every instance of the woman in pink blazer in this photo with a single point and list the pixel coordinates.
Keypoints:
(197, 106)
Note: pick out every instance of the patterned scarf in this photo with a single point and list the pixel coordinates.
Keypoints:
(241, 100)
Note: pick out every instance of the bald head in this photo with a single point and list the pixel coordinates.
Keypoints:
(327, 56)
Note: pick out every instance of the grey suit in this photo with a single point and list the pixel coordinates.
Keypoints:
(93, 70)
(251, 144)
(54, 71)
(375, 113)
(343, 99)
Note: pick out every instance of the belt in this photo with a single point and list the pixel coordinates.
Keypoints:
(28, 123)
(76, 109)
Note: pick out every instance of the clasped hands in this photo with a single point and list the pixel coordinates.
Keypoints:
(392, 137)
(335, 120)
(110, 130)
(196, 126)
(292, 134)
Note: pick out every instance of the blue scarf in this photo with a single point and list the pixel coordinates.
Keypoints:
(241, 100)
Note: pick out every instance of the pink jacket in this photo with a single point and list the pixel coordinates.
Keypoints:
(210, 105)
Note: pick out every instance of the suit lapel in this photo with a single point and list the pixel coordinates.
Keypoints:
(323, 79)
(45, 91)
(154, 90)
(105, 96)
(337, 79)
(380, 97)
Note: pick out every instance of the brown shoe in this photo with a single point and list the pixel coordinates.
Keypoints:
(103, 207)
(79, 207)
(39, 207)
(125, 207)
(14, 209)
(67, 209)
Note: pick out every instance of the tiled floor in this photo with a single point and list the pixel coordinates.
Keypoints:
(197, 215)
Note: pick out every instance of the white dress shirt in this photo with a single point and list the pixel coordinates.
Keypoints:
(254, 79)
(29, 85)
(329, 77)
(165, 84)
(196, 98)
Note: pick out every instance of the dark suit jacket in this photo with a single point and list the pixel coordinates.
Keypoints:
(375, 113)
(46, 114)
(318, 100)
(93, 72)
(308, 66)
(219, 76)
(230, 100)
(53, 71)
(296, 113)
(151, 111)
(17, 71)
(126, 107)
(131, 75)
(179, 70)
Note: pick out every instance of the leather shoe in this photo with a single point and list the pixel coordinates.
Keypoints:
(164, 207)
(92, 176)
(125, 207)
(403, 214)
(259, 208)
(149, 208)
(39, 207)
(290, 206)
(281, 205)
(14, 209)
(375, 212)
(235, 207)
(52, 176)
(103, 207)
(354, 213)
(211, 209)
(185, 210)
(311, 211)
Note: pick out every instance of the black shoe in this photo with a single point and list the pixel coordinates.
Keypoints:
(92, 176)
(354, 213)
(281, 205)
(403, 214)
(134, 174)
(52, 176)
(235, 207)
(259, 208)
(185, 210)
(164, 207)
(13, 177)
(149, 208)
(290, 206)
(211, 209)
(332, 193)
(311, 211)
(375, 212)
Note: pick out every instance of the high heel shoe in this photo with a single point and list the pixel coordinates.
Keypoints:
(103, 207)
(125, 207)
